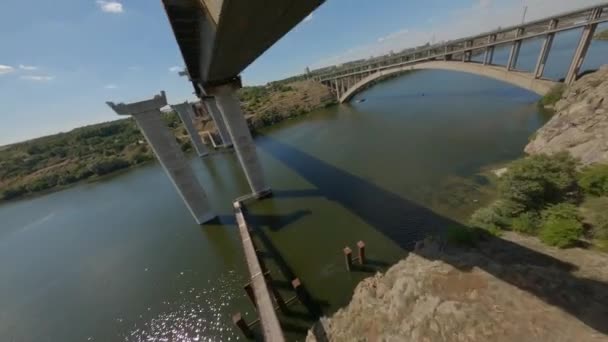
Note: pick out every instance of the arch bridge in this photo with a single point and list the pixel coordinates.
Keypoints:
(349, 79)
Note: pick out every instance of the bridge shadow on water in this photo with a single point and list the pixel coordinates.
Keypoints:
(406, 222)
(294, 318)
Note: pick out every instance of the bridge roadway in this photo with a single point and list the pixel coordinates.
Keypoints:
(346, 80)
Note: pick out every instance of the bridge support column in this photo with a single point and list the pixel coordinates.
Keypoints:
(515, 48)
(230, 107)
(214, 113)
(544, 50)
(466, 55)
(448, 55)
(583, 46)
(186, 113)
(147, 115)
(489, 54)
(338, 90)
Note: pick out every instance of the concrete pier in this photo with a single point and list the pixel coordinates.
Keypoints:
(583, 46)
(488, 57)
(230, 107)
(186, 113)
(544, 50)
(214, 112)
(515, 48)
(148, 117)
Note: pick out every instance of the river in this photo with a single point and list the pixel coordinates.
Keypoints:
(122, 260)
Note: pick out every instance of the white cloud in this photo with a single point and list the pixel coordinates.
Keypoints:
(5, 69)
(28, 67)
(483, 15)
(37, 78)
(176, 69)
(110, 86)
(110, 6)
(308, 18)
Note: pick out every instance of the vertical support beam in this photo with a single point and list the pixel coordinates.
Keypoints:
(361, 247)
(239, 321)
(186, 113)
(214, 112)
(348, 258)
(515, 48)
(583, 46)
(544, 50)
(489, 54)
(230, 107)
(162, 141)
(466, 55)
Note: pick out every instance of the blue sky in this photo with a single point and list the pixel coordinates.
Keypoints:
(61, 60)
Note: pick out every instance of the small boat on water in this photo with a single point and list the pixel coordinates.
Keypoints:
(360, 100)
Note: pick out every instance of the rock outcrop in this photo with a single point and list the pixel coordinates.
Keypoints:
(580, 124)
(436, 295)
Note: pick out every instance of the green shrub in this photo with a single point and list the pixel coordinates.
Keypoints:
(494, 217)
(561, 225)
(594, 180)
(527, 223)
(43, 183)
(599, 222)
(462, 236)
(561, 232)
(140, 158)
(561, 211)
(539, 180)
(13, 193)
(104, 167)
(554, 95)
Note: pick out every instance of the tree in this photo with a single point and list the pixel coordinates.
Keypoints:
(562, 225)
(539, 180)
(594, 180)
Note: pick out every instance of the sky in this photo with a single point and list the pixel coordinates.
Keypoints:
(60, 60)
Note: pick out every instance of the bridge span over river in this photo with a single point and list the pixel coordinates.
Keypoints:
(220, 38)
(349, 79)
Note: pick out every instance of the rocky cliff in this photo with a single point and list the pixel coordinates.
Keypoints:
(580, 124)
(484, 294)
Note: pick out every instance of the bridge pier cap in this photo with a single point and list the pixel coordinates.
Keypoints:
(156, 103)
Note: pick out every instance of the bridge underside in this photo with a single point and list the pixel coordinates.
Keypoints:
(520, 79)
(220, 38)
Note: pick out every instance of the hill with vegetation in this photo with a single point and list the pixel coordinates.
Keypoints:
(95, 151)
(603, 35)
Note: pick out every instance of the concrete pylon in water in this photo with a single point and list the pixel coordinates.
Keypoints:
(230, 108)
(186, 114)
(214, 112)
(147, 115)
